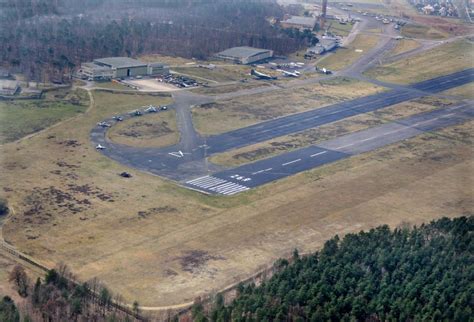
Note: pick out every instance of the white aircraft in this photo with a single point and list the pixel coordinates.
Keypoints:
(103, 124)
(151, 109)
(100, 147)
(259, 75)
(289, 74)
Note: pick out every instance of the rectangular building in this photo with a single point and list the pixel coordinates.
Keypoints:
(124, 66)
(120, 67)
(299, 22)
(244, 55)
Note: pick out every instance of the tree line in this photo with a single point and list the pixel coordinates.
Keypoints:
(418, 274)
(57, 297)
(49, 39)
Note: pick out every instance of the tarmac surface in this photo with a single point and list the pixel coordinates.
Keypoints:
(235, 180)
(187, 161)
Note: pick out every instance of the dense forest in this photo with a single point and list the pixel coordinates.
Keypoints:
(419, 274)
(47, 39)
(57, 297)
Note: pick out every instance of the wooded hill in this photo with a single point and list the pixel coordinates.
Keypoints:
(419, 274)
(45, 39)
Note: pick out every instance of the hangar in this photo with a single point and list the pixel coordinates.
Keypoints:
(123, 66)
(244, 55)
(120, 67)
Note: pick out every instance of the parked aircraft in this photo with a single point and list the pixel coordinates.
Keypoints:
(289, 74)
(103, 124)
(151, 109)
(260, 75)
(323, 70)
(100, 147)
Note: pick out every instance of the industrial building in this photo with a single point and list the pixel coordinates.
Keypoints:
(324, 45)
(120, 67)
(299, 22)
(244, 55)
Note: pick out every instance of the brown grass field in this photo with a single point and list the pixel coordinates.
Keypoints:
(156, 130)
(404, 45)
(153, 241)
(344, 57)
(428, 64)
(309, 137)
(231, 114)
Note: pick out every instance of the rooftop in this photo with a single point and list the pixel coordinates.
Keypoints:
(304, 21)
(120, 62)
(242, 52)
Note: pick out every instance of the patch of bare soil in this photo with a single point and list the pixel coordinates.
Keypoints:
(194, 260)
(144, 128)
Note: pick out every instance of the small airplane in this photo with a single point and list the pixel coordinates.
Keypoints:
(260, 75)
(151, 109)
(289, 74)
(103, 124)
(100, 147)
(323, 70)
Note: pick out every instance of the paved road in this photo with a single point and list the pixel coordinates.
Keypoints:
(310, 119)
(233, 181)
(188, 159)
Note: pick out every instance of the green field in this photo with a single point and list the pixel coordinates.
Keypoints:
(344, 57)
(22, 117)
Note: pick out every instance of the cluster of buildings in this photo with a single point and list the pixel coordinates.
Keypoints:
(120, 67)
(444, 8)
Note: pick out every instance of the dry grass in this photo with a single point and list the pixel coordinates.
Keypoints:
(156, 130)
(222, 89)
(161, 244)
(344, 57)
(404, 45)
(221, 73)
(442, 60)
(465, 91)
(227, 115)
(421, 32)
(309, 137)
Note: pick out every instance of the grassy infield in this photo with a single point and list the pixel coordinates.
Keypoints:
(187, 243)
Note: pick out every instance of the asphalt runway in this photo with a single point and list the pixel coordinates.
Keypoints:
(302, 121)
(239, 179)
(188, 159)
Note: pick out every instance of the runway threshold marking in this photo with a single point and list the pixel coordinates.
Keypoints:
(316, 154)
(287, 163)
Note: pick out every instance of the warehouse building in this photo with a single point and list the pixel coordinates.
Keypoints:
(120, 67)
(323, 46)
(244, 55)
(300, 23)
